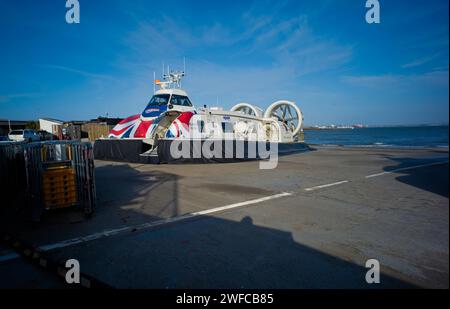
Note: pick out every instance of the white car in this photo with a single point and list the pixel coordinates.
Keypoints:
(24, 135)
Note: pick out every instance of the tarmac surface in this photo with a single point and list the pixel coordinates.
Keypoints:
(312, 222)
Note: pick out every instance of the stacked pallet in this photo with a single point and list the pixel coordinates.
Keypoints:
(59, 187)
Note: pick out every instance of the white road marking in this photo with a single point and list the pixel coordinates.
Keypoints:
(10, 255)
(112, 232)
(406, 168)
(326, 185)
(375, 175)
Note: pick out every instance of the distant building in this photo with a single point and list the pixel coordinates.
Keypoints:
(52, 126)
(7, 125)
(100, 127)
(108, 121)
(92, 129)
(74, 129)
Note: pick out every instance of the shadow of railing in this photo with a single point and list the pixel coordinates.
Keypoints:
(125, 196)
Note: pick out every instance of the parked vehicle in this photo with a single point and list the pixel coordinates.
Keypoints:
(4, 139)
(46, 136)
(27, 135)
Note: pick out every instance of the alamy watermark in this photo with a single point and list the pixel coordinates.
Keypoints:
(73, 274)
(373, 274)
(197, 144)
(73, 12)
(211, 149)
(373, 12)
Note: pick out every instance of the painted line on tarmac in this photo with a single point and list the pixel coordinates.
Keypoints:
(79, 240)
(9, 255)
(37, 257)
(327, 185)
(406, 168)
(377, 174)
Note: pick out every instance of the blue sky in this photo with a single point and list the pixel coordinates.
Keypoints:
(321, 54)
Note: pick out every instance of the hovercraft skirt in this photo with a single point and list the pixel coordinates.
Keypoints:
(122, 150)
(131, 150)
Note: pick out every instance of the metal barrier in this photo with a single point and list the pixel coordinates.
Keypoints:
(48, 175)
(12, 174)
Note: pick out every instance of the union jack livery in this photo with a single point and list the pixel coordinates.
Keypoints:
(140, 126)
(180, 126)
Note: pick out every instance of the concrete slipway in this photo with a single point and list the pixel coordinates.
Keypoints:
(310, 223)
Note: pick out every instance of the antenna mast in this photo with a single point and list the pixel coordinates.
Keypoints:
(172, 79)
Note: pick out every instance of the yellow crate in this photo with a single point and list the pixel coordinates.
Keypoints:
(63, 170)
(59, 195)
(56, 200)
(51, 185)
(60, 203)
(54, 176)
(55, 179)
(60, 169)
(59, 190)
(59, 184)
(59, 172)
(59, 187)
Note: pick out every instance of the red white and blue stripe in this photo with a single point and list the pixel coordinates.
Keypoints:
(180, 126)
(143, 125)
(137, 126)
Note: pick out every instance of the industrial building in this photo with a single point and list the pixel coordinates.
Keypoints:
(8, 125)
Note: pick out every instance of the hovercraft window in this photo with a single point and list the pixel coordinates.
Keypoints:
(159, 100)
(180, 100)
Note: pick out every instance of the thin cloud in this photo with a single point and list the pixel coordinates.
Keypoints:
(418, 62)
(9, 97)
(371, 80)
(76, 71)
(438, 78)
(287, 43)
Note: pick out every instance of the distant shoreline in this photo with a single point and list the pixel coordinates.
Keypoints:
(310, 128)
(380, 147)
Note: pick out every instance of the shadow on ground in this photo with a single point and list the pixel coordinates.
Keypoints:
(205, 252)
(212, 252)
(431, 179)
(125, 196)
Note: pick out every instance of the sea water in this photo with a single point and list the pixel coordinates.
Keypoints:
(420, 136)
